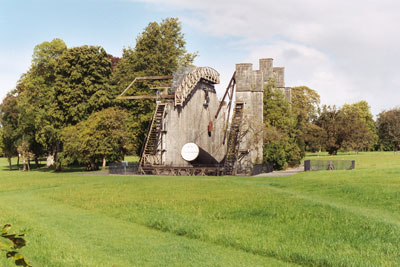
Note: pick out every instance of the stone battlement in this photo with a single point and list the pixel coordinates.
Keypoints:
(249, 80)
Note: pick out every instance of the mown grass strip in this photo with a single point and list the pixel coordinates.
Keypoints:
(233, 212)
(66, 236)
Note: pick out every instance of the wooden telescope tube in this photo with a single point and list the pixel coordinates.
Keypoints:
(194, 154)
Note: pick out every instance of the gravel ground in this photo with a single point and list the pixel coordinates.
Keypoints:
(286, 172)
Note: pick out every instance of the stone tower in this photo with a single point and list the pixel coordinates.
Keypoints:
(250, 86)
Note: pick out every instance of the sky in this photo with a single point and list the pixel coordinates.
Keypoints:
(346, 50)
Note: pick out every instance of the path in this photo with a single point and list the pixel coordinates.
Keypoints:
(287, 172)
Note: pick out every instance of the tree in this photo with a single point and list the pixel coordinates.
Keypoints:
(63, 87)
(28, 110)
(44, 58)
(104, 135)
(26, 155)
(281, 133)
(358, 130)
(1, 143)
(81, 87)
(388, 123)
(9, 122)
(305, 104)
(314, 137)
(306, 101)
(349, 128)
(160, 50)
(18, 130)
(274, 149)
(35, 97)
(329, 121)
(114, 61)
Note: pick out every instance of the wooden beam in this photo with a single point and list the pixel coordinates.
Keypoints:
(146, 78)
(147, 97)
(231, 84)
(164, 77)
(160, 88)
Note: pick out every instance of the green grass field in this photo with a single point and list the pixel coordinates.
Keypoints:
(324, 218)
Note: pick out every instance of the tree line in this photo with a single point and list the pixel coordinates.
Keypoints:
(64, 107)
(303, 125)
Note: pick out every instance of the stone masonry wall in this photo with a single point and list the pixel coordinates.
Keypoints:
(250, 91)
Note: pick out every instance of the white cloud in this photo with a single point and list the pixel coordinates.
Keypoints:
(346, 50)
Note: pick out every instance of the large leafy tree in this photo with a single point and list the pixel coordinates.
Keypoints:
(10, 129)
(305, 104)
(82, 84)
(281, 133)
(28, 108)
(160, 50)
(358, 127)
(349, 128)
(314, 137)
(81, 87)
(1, 143)
(44, 61)
(62, 87)
(388, 123)
(35, 97)
(329, 121)
(105, 135)
(18, 130)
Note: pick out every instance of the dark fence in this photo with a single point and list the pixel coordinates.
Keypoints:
(196, 169)
(193, 169)
(262, 168)
(317, 165)
(124, 168)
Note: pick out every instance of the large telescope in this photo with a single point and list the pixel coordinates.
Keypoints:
(195, 155)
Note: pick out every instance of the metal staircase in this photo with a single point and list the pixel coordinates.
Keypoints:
(233, 140)
(151, 154)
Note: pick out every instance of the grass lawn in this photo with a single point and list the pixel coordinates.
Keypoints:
(324, 218)
(132, 158)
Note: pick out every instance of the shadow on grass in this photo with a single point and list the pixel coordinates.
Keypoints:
(43, 168)
(327, 155)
